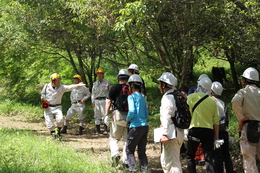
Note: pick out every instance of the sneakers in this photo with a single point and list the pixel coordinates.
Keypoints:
(115, 161)
(105, 133)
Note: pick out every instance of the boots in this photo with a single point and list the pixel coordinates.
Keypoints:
(79, 132)
(64, 130)
(98, 130)
(105, 130)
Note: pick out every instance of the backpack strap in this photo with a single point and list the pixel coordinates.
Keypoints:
(198, 102)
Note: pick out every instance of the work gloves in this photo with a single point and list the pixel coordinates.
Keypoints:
(218, 143)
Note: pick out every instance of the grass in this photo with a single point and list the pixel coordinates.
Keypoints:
(23, 152)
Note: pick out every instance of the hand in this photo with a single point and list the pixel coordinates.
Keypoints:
(164, 139)
(240, 125)
(218, 143)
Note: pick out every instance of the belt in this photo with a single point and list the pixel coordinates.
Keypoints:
(100, 98)
(75, 102)
(54, 105)
(193, 138)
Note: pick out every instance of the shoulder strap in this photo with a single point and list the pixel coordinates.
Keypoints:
(198, 102)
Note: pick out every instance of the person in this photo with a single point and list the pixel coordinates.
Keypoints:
(77, 97)
(204, 126)
(138, 126)
(222, 154)
(118, 128)
(134, 69)
(52, 94)
(193, 88)
(246, 105)
(99, 94)
(170, 157)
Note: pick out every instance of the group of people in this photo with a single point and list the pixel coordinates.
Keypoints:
(131, 124)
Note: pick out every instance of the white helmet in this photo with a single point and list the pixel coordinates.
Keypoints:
(205, 83)
(123, 72)
(202, 76)
(217, 88)
(134, 67)
(251, 74)
(135, 78)
(168, 78)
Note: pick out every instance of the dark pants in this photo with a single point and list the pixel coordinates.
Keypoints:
(137, 136)
(222, 155)
(206, 137)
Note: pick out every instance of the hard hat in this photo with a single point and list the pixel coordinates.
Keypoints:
(205, 83)
(202, 76)
(100, 70)
(217, 88)
(251, 74)
(134, 67)
(54, 76)
(77, 76)
(123, 72)
(135, 78)
(168, 78)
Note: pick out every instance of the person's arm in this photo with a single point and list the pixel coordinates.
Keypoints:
(43, 93)
(131, 108)
(87, 94)
(108, 106)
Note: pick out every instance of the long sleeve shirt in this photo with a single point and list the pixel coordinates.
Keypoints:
(246, 103)
(53, 95)
(80, 93)
(100, 89)
(167, 110)
(137, 110)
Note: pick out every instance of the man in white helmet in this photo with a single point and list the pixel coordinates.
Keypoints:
(204, 127)
(134, 69)
(52, 94)
(170, 157)
(78, 97)
(99, 94)
(193, 88)
(246, 105)
(222, 154)
(118, 127)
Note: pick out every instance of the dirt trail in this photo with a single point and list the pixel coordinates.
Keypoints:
(99, 144)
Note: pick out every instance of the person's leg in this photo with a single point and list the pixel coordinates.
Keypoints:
(226, 155)
(80, 111)
(191, 150)
(70, 113)
(143, 131)
(130, 149)
(248, 151)
(115, 135)
(97, 116)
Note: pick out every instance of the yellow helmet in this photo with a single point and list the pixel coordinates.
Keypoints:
(77, 76)
(100, 70)
(54, 76)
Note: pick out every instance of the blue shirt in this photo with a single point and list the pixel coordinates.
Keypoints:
(137, 113)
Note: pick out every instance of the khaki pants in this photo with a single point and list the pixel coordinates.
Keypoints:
(170, 157)
(118, 130)
(249, 151)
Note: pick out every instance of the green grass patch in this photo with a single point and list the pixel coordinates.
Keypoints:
(23, 152)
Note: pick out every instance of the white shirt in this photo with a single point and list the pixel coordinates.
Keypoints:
(80, 93)
(167, 110)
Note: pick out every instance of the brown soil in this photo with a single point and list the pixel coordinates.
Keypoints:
(99, 144)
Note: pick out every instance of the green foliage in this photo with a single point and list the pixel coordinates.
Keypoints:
(21, 151)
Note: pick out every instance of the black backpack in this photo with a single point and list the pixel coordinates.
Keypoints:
(182, 116)
(121, 102)
(223, 121)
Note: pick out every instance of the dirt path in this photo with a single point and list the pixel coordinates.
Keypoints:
(98, 144)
